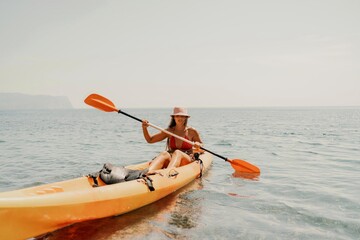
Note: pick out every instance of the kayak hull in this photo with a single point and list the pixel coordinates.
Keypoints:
(37, 210)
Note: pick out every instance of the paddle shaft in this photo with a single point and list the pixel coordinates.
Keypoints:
(172, 134)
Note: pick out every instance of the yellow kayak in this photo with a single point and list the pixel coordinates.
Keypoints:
(37, 210)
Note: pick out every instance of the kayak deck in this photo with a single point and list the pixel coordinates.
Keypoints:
(36, 210)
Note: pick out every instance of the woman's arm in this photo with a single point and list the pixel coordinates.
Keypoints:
(152, 139)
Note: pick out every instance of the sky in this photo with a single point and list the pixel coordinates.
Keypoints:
(192, 53)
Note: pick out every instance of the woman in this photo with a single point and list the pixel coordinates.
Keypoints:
(177, 150)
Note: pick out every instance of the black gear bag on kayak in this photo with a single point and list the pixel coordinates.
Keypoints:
(111, 174)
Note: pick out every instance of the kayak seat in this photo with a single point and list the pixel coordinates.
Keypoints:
(166, 164)
(184, 162)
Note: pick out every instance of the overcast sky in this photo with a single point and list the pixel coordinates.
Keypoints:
(195, 53)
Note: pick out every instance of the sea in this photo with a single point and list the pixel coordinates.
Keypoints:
(308, 187)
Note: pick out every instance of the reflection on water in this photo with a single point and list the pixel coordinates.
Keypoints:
(249, 176)
(181, 221)
(186, 212)
(164, 218)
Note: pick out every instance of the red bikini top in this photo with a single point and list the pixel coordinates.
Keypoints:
(184, 146)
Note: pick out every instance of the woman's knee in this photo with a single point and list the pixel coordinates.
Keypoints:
(180, 154)
(162, 159)
(177, 152)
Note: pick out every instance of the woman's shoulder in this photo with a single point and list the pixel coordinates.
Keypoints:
(191, 129)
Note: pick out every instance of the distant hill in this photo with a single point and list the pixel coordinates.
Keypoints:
(17, 101)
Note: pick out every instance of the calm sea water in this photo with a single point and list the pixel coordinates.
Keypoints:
(308, 188)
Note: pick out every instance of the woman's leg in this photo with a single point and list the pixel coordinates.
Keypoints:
(159, 161)
(176, 158)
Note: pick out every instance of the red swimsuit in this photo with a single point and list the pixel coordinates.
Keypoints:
(184, 146)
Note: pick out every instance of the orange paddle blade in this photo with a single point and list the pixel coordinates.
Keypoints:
(100, 102)
(243, 166)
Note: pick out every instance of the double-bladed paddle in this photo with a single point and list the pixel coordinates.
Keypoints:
(104, 104)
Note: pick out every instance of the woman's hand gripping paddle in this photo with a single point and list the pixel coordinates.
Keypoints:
(104, 104)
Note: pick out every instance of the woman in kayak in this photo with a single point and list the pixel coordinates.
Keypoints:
(177, 149)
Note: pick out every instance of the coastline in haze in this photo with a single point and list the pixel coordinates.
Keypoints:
(20, 101)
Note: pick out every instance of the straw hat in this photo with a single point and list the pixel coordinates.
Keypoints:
(180, 111)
